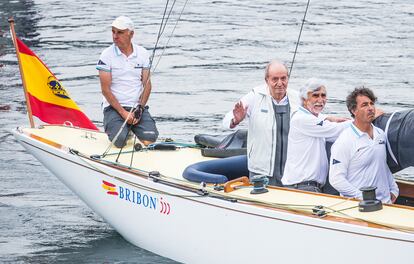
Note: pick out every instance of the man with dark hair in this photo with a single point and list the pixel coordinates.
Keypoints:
(351, 101)
(358, 156)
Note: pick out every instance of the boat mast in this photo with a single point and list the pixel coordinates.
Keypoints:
(16, 47)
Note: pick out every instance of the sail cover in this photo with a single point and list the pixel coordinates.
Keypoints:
(400, 131)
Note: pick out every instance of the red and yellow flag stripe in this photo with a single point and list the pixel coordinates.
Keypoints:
(109, 187)
(48, 98)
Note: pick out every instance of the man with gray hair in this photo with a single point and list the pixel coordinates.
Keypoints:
(267, 108)
(306, 166)
(124, 73)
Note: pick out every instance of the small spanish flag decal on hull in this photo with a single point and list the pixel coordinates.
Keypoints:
(109, 187)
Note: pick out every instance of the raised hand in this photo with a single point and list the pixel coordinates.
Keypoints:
(239, 113)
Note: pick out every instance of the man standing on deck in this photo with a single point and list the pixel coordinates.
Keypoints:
(268, 109)
(358, 156)
(124, 73)
(307, 163)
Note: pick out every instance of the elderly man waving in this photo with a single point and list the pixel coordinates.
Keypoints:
(267, 108)
(306, 165)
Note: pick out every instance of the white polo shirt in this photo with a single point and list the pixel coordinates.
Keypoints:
(126, 73)
(306, 154)
(359, 161)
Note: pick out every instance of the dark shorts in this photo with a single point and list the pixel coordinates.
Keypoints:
(145, 130)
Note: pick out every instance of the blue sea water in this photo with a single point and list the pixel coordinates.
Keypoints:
(216, 55)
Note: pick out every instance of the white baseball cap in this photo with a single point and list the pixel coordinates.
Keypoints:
(123, 22)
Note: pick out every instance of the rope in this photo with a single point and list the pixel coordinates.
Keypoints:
(119, 132)
(133, 151)
(297, 43)
(151, 147)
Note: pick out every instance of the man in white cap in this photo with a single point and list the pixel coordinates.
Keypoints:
(306, 165)
(124, 73)
(267, 108)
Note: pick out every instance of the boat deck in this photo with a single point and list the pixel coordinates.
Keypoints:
(172, 164)
(91, 143)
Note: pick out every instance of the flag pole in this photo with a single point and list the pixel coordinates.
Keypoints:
(16, 47)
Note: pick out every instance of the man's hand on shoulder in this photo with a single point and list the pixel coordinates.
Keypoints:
(378, 112)
(337, 119)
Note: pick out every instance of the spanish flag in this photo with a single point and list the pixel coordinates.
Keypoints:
(48, 100)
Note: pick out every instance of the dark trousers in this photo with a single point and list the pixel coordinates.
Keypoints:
(309, 186)
(145, 129)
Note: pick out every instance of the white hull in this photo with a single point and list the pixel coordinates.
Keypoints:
(186, 227)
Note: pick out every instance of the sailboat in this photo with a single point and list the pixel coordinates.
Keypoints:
(172, 200)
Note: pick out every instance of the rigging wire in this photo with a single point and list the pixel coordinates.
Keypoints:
(170, 37)
(168, 17)
(297, 42)
(161, 29)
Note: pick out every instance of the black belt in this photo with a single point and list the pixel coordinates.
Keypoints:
(305, 183)
(127, 108)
